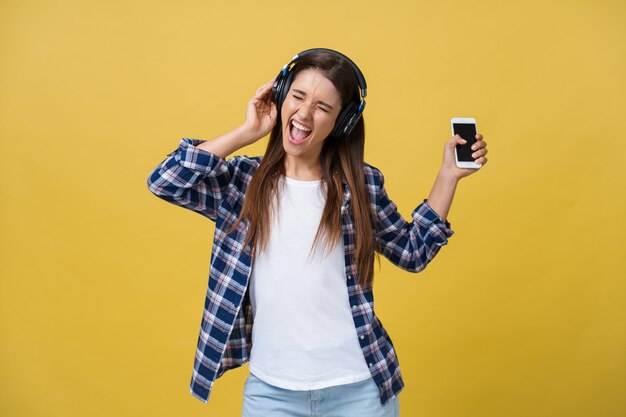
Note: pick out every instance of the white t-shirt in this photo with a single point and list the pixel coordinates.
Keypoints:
(303, 336)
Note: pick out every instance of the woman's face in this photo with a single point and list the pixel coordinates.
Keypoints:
(308, 114)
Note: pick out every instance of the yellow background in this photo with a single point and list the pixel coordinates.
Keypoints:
(522, 313)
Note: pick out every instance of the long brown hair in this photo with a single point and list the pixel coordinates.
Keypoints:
(340, 158)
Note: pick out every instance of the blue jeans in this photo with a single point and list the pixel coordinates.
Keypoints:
(361, 399)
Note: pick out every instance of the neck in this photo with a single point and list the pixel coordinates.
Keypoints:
(299, 169)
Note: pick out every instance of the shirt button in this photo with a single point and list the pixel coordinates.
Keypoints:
(362, 337)
(393, 397)
(371, 364)
(353, 308)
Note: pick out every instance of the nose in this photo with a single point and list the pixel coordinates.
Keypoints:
(304, 112)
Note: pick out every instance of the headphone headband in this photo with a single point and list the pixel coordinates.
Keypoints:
(357, 71)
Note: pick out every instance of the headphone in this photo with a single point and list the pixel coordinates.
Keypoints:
(348, 117)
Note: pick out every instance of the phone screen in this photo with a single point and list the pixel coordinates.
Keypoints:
(468, 132)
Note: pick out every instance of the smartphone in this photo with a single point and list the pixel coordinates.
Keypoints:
(466, 128)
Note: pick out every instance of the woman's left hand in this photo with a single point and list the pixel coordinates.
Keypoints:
(479, 150)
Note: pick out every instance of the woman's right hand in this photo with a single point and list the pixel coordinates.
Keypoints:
(261, 114)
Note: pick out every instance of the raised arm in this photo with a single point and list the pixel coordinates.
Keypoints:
(261, 115)
(440, 198)
(411, 246)
(196, 174)
(408, 245)
(193, 178)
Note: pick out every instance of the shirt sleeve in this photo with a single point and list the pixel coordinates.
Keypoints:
(409, 245)
(192, 178)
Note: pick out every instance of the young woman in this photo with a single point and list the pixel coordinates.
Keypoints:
(297, 230)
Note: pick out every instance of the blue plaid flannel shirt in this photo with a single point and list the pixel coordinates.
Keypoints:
(215, 188)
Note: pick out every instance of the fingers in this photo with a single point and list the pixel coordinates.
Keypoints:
(479, 147)
(479, 153)
(456, 140)
(480, 143)
(481, 150)
(273, 111)
(263, 93)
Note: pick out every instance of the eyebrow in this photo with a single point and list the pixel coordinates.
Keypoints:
(320, 102)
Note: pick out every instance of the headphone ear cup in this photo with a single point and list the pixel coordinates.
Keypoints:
(278, 83)
(284, 90)
(343, 120)
(355, 117)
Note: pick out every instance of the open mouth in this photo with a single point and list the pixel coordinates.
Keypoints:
(298, 133)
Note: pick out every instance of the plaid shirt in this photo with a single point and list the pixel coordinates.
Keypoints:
(215, 187)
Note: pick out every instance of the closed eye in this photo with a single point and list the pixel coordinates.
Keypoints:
(302, 93)
(300, 98)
